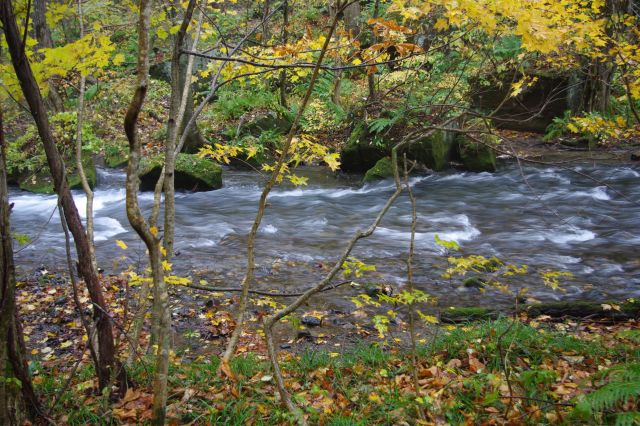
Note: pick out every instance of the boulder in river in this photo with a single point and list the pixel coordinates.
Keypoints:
(383, 169)
(42, 182)
(548, 96)
(361, 152)
(475, 156)
(192, 173)
(435, 151)
(116, 156)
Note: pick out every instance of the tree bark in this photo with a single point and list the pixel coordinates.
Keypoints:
(181, 99)
(282, 79)
(45, 40)
(18, 400)
(161, 316)
(86, 269)
(83, 177)
(371, 78)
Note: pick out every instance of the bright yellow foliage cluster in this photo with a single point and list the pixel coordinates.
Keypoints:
(303, 149)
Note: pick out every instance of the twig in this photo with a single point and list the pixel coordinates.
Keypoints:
(562, 404)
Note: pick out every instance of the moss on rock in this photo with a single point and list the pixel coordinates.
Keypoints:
(116, 156)
(434, 151)
(42, 182)
(382, 170)
(192, 173)
(462, 314)
(476, 157)
(360, 153)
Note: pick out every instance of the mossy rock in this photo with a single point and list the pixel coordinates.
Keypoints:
(116, 158)
(476, 157)
(461, 314)
(382, 170)
(192, 173)
(360, 153)
(42, 182)
(582, 309)
(434, 151)
(473, 282)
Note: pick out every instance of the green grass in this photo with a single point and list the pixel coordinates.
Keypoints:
(373, 381)
(247, 365)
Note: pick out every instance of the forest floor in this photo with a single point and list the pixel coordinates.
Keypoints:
(504, 371)
(533, 147)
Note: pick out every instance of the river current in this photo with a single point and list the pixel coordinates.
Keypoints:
(545, 217)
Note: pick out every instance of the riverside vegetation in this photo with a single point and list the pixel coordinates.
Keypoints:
(381, 94)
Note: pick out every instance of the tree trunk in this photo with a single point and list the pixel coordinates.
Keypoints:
(265, 26)
(181, 101)
(106, 349)
(282, 80)
(83, 177)
(17, 398)
(161, 315)
(371, 78)
(43, 36)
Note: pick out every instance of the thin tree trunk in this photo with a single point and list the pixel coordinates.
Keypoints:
(265, 23)
(412, 309)
(17, 397)
(106, 349)
(180, 97)
(282, 81)
(371, 77)
(160, 311)
(43, 36)
(83, 177)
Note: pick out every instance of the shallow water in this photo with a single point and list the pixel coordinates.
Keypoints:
(546, 218)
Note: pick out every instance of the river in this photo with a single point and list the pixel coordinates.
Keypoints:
(548, 218)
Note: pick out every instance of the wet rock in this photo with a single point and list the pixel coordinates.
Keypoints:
(192, 173)
(311, 321)
(382, 170)
(473, 282)
(42, 182)
(304, 334)
(360, 152)
(285, 346)
(475, 157)
(534, 109)
(116, 156)
(375, 291)
(435, 151)
(635, 156)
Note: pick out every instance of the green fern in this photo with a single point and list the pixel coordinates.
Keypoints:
(623, 385)
(610, 395)
(630, 418)
(377, 125)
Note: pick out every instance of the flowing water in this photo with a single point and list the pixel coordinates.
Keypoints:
(547, 218)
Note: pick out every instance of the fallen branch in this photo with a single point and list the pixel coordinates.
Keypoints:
(262, 292)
